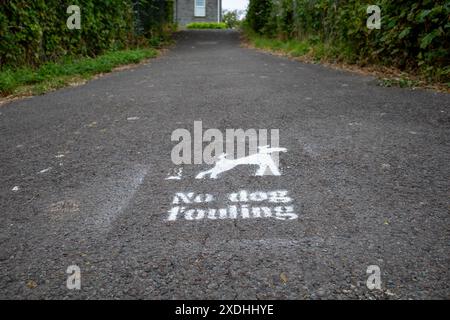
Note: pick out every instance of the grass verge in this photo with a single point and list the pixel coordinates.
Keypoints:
(53, 75)
(313, 51)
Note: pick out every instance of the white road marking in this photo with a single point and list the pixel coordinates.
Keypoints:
(45, 170)
(233, 212)
(272, 204)
(262, 159)
(178, 175)
(385, 166)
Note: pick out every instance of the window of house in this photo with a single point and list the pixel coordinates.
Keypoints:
(200, 8)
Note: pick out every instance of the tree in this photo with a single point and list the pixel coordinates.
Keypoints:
(152, 16)
(231, 18)
(258, 14)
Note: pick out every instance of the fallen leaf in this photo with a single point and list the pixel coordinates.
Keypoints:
(283, 278)
(31, 284)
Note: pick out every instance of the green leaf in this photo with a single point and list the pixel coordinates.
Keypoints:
(425, 42)
(404, 33)
(422, 15)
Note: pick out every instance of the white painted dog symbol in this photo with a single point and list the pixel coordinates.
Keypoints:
(262, 159)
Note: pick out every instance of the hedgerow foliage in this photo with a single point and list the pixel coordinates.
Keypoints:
(152, 16)
(206, 25)
(414, 35)
(35, 32)
(258, 15)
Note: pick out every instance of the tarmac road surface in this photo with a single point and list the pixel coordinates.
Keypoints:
(364, 181)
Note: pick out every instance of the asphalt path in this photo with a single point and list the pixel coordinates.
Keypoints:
(84, 182)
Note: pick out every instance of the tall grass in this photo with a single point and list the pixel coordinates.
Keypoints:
(53, 75)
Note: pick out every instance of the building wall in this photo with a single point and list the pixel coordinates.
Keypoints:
(184, 12)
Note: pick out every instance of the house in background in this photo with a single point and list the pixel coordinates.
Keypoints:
(187, 11)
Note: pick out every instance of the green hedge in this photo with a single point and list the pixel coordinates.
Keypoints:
(33, 32)
(152, 17)
(414, 35)
(206, 25)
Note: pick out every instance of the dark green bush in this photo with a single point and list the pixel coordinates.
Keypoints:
(258, 16)
(35, 32)
(152, 17)
(414, 35)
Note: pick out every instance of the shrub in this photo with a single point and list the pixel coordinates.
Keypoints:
(206, 25)
(231, 18)
(414, 35)
(35, 32)
(258, 16)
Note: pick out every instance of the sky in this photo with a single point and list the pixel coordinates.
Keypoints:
(234, 4)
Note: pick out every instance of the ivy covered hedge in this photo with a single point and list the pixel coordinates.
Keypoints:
(35, 32)
(414, 35)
